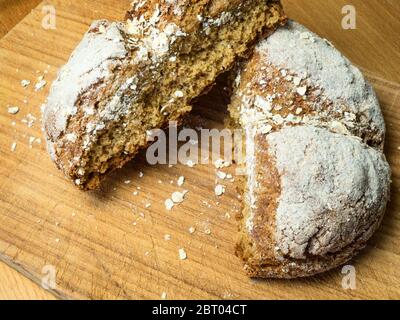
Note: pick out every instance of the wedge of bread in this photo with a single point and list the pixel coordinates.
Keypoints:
(126, 79)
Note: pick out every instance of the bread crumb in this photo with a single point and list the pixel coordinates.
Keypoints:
(192, 230)
(182, 254)
(221, 175)
(169, 204)
(40, 85)
(25, 83)
(167, 237)
(13, 147)
(178, 197)
(148, 205)
(181, 181)
(164, 295)
(219, 190)
(13, 110)
(220, 163)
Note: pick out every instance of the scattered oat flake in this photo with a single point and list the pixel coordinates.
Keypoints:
(219, 190)
(182, 254)
(29, 120)
(192, 230)
(220, 163)
(127, 181)
(167, 237)
(57, 240)
(40, 85)
(141, 174)
(13, 110)
(221, 175)
(181, 181)
(169, 204)
(164, 295)
(13, 147)
(148, 205)
(25, 83)
(178, 197)
(135, 193)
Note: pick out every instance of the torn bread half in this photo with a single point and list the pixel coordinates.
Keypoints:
(124, 80)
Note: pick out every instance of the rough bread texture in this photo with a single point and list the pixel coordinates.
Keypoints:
(296, 77)
(126, 79)
(317, 181)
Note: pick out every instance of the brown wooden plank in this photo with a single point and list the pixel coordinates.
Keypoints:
(107, 244)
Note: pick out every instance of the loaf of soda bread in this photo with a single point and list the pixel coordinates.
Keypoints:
(317, 181)
(125, 79)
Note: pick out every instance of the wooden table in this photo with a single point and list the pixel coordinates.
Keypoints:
(374, 46)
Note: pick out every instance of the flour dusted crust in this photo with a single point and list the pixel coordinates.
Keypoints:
(125, 79)
(317, 180)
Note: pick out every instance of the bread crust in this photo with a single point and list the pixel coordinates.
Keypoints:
(126, 79)
(318, 182)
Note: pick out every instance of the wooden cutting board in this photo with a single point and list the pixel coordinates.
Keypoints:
(112, 243)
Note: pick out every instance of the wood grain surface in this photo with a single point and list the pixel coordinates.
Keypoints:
(110, 243)
(13, 11)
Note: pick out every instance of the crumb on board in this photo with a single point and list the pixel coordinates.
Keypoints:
(13, 110)
(181, 181)
(219, 190)
(182, 254)
(178, 197)
(13, 147)
(167, 237)
(169, 204)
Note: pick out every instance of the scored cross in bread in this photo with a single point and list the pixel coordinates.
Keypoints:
(126, 79)
(317, 180)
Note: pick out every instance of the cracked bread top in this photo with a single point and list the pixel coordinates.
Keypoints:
(334, 191)
(317, 180)
(295, 77)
